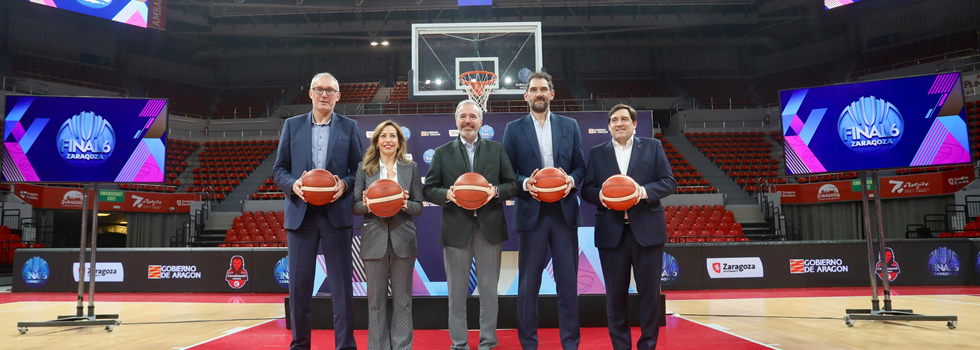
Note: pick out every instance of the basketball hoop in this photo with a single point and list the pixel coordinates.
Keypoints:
(478, 85)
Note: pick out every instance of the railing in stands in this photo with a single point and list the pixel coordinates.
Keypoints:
(933, 58)
(728, 124)
(772, 215)
(97, 86)
(227, 133)
(601, 95)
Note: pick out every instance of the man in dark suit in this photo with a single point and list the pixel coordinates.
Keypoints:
(326, 140)
(538, 140)
(468, 234)
(634, 238)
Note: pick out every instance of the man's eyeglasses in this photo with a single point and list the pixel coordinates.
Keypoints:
(321, 91)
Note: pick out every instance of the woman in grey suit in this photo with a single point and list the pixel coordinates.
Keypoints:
(388, 245)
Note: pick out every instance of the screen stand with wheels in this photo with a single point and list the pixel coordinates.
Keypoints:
(876, 313)
(110, 321)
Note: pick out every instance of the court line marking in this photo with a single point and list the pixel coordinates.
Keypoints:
(727, 332)
(948, 301)
(228, 333)
(35, 307)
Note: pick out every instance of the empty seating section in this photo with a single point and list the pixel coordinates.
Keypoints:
(703, 223)
(256, 229)
(349, 93)
(177, 154)
(933, 49)
(625, 87)
(268, 190)
(399, 93)
(225, 164)
(971, 229)
(66, 72)
(562, 90)
(10, 242)
(246, 102)
(973, 124)
(744, 156)
(688, 178)
(717, 92)
(184, 99)
(769, 84)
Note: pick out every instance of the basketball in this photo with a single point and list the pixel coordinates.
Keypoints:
(472, 191)
(551, 184)
(619, 192)
(385, 198)
(318, 187)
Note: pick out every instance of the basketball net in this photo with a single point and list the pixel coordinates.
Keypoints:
(478, 85)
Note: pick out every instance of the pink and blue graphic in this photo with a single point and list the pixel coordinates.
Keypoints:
(84, 139)
(896, 123)
(830, 4)
(131, 12)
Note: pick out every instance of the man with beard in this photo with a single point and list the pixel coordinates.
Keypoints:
(538, 140)
(325, 140)
(468, 234)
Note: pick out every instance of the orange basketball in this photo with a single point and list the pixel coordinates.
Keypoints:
(550, 184)
(319, 187)
(472, 191)
(385, 198)
(619, 192)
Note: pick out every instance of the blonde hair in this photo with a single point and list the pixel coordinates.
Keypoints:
(373, 155)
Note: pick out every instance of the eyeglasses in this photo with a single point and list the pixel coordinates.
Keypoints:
(321, 91)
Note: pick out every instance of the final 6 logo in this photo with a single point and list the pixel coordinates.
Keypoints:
(86, 140)
(870, 125)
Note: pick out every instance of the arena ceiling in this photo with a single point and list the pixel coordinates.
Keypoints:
(572, 23)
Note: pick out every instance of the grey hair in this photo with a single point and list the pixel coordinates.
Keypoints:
(324, 74)
(479, 109)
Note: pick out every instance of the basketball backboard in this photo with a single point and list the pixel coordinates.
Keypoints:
(443, 51)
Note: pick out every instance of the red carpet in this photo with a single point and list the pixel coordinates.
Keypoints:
(680, 334)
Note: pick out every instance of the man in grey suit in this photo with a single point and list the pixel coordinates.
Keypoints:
(325, 140)
(388, 244)
(466, 234)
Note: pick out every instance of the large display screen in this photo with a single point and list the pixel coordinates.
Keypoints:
(140, 13)
(896, 123)
(84, 139)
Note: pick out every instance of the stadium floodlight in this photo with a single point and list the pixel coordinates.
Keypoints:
(385, 43)
(427, 81)
(374, 43)
(438, 81)
(507, 80)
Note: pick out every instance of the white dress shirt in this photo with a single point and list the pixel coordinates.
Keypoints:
(384, 170)
(623, 154)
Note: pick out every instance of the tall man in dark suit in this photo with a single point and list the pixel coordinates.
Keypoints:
(634, 238)
(466, 234)
(538, 140)
(326, 140)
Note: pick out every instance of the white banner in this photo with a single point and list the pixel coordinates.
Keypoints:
(735, 267)
(104, 271)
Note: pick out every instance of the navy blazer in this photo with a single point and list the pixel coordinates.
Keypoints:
(521, 144)
(650, 168)
(295, 155)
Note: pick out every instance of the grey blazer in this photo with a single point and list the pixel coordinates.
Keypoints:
(400, 228)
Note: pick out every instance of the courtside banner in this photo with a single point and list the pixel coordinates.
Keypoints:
(976, 261)
(44, 270)
(903, 186)
(269, 270)
(682, 268)
(686, 267)
(50, 197)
